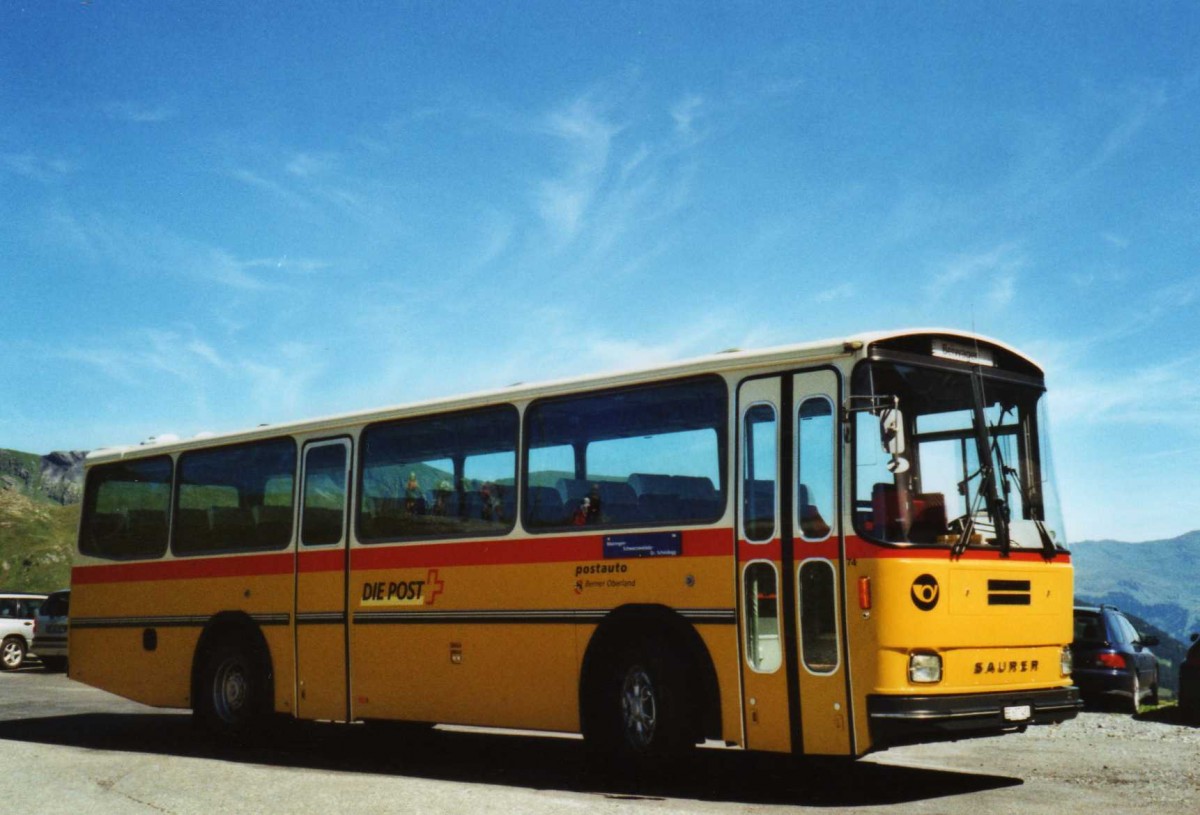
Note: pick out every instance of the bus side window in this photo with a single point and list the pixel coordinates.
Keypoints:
(815, 446)
(228, 497)
(125, 509)
(761, 597)
(444, 476)
(650, 455)
(759, 470)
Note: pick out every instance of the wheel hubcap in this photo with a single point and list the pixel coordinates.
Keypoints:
(11, 654)
(639, 707)
(230, 690)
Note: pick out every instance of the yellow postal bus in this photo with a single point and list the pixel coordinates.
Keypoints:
(818, 549)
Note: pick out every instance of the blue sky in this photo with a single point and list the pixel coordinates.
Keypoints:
(219, 214)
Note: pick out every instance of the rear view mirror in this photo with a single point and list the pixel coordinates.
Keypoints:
(891, 433)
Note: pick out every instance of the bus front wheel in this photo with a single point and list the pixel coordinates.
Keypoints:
(641, 712)
(232, 694)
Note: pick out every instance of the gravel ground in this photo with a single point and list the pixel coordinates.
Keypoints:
(80, 750)
(1148, 763)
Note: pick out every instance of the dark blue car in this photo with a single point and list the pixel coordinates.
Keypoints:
(1189, 681)
(1113, 662)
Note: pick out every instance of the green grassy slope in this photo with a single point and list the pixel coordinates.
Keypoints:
(36, 543)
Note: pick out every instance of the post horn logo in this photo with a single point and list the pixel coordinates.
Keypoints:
(925, 592)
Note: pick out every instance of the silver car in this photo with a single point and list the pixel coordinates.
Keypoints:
(50, 631)
(17, 610)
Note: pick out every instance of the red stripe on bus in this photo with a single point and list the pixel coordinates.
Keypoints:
(322, 560)
(698, 543)
(801, 550)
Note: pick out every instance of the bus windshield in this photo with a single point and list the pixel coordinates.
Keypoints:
(951, 456)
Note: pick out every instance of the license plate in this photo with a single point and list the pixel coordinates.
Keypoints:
(1017, 713)
(57, 629)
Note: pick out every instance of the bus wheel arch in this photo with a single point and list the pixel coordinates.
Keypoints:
(634, 648)
(233, 687)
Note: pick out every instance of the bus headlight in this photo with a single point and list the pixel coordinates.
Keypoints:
(1067, 659)
(924, 668)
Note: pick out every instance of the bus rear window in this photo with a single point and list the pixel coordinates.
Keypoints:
(125, 510)
(235, 499)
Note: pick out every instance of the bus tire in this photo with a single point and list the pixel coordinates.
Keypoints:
(12, 654)
(232, 698)
(641, 713)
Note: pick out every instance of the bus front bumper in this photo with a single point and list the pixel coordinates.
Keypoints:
(905, 719)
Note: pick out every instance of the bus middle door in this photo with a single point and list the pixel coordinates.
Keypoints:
(322, 689)
(793, 671)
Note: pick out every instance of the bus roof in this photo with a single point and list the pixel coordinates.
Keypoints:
(725, 361)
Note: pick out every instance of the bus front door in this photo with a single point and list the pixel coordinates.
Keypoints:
(789, 563)
(321, 645)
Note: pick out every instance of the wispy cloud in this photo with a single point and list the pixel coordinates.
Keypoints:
(278, 190)
(992, 273)
(1167, 394)
(843, 291)
(307, 165)
(137, 248)
(585, 136)
(35, 167)
(685, 113)
(181, 366)
(617, 183)
(1114, 240)
(137, 113)
(1136, 106)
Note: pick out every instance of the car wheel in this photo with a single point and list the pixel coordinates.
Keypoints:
(1135, 701)
(12, 654)
(232, 693)
(1152, 696)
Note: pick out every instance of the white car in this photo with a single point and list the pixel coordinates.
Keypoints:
(17, 610)
(50, 631)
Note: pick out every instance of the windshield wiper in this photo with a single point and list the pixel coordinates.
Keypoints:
(1007, 474)
(987, 471)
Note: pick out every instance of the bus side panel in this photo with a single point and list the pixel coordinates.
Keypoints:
(722, 644)
(112, 649)
(484, 633)
(484, 645)
(493, 675)
(115, 660)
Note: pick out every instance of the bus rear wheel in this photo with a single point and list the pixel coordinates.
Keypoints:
(232, 693)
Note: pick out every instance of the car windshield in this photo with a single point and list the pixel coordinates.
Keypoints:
(953, 456)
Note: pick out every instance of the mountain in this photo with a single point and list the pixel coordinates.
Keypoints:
(55, 478)
(1158, 581)
(1157, 584)
(39, 515)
